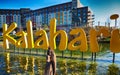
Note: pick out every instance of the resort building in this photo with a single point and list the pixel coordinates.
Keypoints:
(70, 14)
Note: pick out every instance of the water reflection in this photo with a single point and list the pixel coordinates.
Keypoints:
(7, 60)
(21, 64)
(104, 47)
(31, 65)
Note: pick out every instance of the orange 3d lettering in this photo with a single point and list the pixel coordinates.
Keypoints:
(26, 39)
(6, 37)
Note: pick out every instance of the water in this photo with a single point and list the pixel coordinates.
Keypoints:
(34, 64)
(22, 64)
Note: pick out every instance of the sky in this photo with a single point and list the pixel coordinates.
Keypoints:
(102, 9)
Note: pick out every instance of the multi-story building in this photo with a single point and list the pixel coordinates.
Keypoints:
(68, 14)
(10, 15)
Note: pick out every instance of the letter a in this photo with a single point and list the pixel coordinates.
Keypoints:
(43, 38)
(81, 38)
(22, 41)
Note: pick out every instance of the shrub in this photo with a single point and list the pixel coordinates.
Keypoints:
(113, 70)
(72, 66)
(82, 66)
(62, 65)
(92, 68)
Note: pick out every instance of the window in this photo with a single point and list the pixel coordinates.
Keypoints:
(84, 21)
(84, 17)
(78, 14)
(84, 10)
(56, 8)
(78, 11)
(52, 9)
(10, 14)
(65, 6)
(4, 16)
(84, 13)
(69, 6)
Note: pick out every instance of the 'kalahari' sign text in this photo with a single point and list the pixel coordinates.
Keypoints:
(26, 39)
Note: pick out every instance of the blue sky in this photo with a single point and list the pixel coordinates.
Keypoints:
(101, 8)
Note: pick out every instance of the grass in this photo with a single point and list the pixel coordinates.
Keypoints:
(66, 53)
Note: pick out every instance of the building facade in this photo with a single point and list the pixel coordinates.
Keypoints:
(68, 14)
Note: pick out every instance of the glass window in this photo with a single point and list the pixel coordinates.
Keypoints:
(84, 13)
(65, 6)
(79, 11)
(78, 14)
(84, 17)
(10, 14)
(84, 10)
(84, 21)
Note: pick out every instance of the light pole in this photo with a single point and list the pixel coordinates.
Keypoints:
(114, 17)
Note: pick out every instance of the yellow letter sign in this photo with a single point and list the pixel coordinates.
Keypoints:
(22, 41)
(81, 38)
(115, 41)
(30, 35)
(43, 38)
(94, 47)
(54, 34)
(7, 37)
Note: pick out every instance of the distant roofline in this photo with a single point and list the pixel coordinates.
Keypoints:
(53, 5)
(11, 9)
(39, 8)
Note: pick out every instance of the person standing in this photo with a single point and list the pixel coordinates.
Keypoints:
(50, 68)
